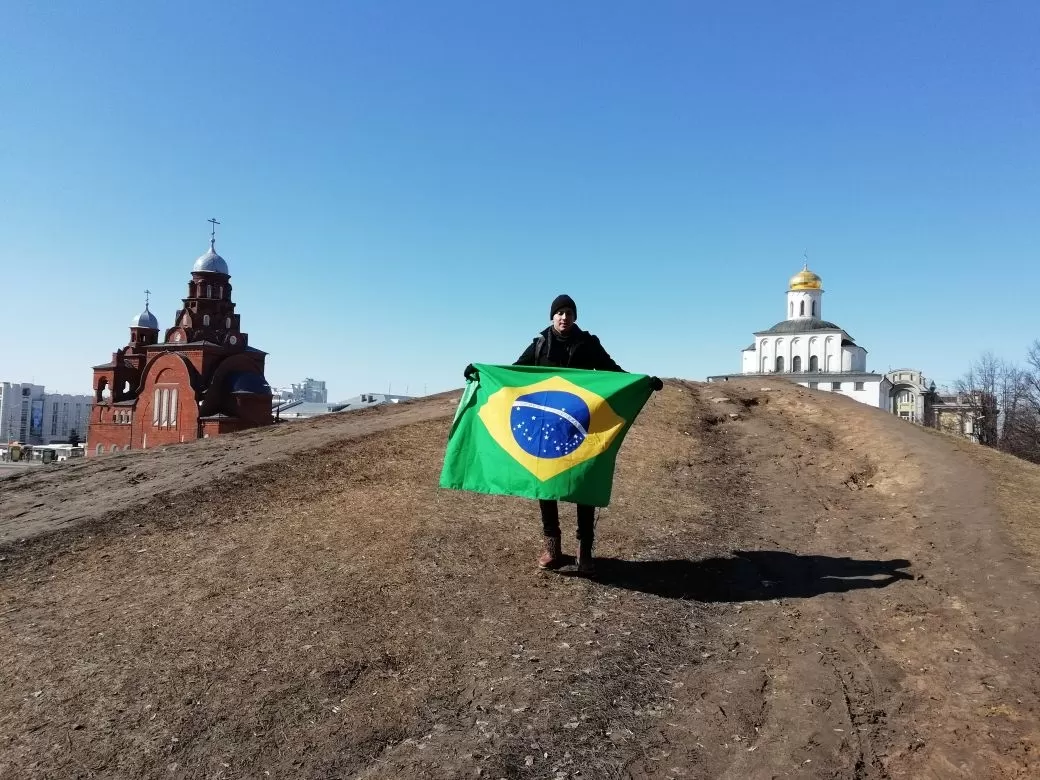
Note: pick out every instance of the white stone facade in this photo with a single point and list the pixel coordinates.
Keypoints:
(826, 350)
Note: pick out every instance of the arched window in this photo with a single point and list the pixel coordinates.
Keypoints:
(796, 363)
(814, 363)
(209, 290)
(100, 449)
(126, 448)
(814, 308)
(779, 364)
(227, 323)
(801, 309)
(205, 320)
(114, 448)
(790, 309)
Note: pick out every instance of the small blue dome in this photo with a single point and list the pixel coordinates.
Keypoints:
(210, 262)
(247, 382)
(145, 320)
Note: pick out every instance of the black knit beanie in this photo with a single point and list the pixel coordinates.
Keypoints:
(563, 302)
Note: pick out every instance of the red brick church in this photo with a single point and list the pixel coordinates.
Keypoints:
(201, 380)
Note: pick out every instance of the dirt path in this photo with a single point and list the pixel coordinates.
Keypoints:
(791, 586)
(930, 677)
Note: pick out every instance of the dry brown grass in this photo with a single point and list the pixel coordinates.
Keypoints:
(1016, 487)
(310, 604)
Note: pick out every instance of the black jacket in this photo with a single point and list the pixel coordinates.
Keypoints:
(579, 350)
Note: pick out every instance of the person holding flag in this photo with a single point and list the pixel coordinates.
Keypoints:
(564, 430)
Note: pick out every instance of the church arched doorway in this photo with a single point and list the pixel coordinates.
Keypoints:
(779, 364)
(796, 364)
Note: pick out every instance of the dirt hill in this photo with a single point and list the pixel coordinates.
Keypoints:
(793, 585)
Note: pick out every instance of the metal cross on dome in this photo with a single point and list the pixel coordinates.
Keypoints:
(147, 293)
(213, 230)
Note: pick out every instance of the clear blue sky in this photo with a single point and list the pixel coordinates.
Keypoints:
(405, 186)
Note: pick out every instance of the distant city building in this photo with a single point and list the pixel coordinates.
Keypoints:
(963, 416)
(812, 352)
(21, 412)
(310, 390)
(64, 414)
(29, 415)
(281, 395)
(916, 400)
(204, 379)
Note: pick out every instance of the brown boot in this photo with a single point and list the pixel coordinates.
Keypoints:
(552, 555)
(585, 562)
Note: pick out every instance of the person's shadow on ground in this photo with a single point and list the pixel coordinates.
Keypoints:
(750, 575)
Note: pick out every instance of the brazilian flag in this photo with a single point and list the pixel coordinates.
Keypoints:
(540, 432)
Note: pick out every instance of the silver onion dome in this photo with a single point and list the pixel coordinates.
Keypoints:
(210, 262)
(145, 320)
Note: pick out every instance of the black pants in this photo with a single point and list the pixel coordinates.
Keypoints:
(551, 519)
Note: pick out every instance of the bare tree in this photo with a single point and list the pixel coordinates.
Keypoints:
(1032, 375)
(1029, 424)
(977, 389)
(1004, 402)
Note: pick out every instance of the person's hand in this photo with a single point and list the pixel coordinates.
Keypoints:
(469, 372)
(656, 384)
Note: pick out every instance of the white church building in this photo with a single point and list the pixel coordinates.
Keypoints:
(810, 351)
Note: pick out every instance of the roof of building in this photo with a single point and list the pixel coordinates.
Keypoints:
(290, 409)
(802, 325)
(180, 344)
(805, 280)
(247, 382)
(210, 262)
(372, 399)
(194, 344)
(308, 409)
(145, 320)
(806, 376)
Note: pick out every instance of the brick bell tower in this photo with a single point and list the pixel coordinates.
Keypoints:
(203, 379)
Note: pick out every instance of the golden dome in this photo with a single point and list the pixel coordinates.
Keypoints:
(805, 280)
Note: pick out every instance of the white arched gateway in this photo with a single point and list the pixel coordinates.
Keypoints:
(811, 351)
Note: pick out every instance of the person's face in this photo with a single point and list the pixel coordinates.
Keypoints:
(563, 320)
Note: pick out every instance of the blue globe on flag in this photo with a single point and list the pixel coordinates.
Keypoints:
(550, 423)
